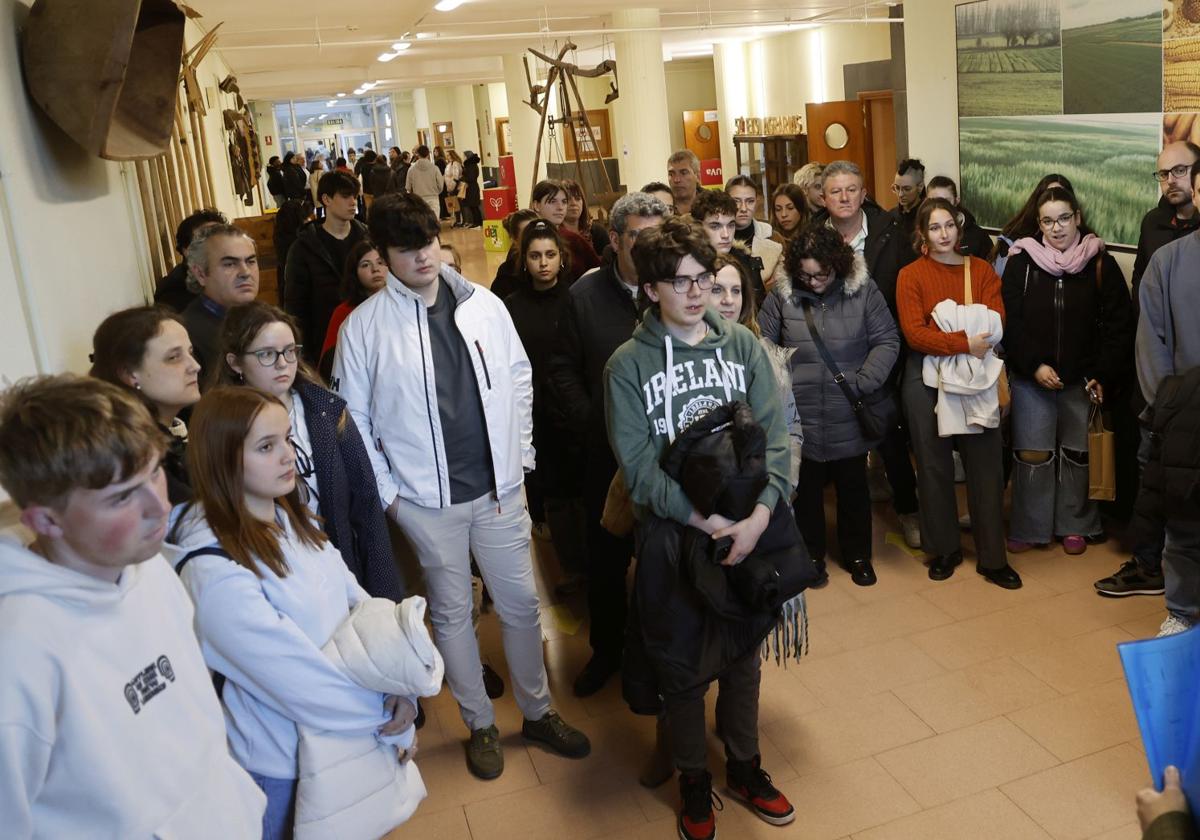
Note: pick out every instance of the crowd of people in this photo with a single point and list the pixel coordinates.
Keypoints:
(678, 383)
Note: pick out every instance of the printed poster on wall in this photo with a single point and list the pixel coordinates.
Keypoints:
(1073, 87)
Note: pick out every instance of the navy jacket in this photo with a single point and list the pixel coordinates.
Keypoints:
(350, 506)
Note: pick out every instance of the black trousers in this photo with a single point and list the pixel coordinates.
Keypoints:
(737, 716)
(898, 464)
(849, 477)
(607, 560)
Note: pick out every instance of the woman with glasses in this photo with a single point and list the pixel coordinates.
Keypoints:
(1024, 223)
(828, 299)
(1069, 340)
(260, 348)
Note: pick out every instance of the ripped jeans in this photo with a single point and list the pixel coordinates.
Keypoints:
(1050, 498)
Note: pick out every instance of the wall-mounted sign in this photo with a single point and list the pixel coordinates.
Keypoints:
(335, 121)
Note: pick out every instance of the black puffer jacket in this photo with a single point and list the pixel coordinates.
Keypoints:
(313, 284)
(1078, 324)
(691, 618)
(470, 177)
(295, 181)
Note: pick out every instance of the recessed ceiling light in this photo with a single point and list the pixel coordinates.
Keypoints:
(387, 56)
(421, 36)
(401, 46)
(340, 95)
(448, 5)
(323, 116)
(359, 91)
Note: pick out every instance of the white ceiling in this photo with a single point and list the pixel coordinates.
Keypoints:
(314, 48)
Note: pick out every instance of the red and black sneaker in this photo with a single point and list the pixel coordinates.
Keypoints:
(696, 818)
(748, 782)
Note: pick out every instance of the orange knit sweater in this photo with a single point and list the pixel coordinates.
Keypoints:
(924, 284)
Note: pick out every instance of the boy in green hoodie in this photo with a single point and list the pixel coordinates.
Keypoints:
(683, 361)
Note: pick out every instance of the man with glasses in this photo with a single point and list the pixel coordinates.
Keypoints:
(600, 314)
(880, 237)
(753, 235)
(1174, 217)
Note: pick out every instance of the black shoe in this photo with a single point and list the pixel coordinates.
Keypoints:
(696, 818)
(748, 782)
(485, 758)
(1005, 577)
(1130, 579)
(558, 735)
(594, 676)
(941, 568)
(822, 575)
(861, 572)
(492, 683)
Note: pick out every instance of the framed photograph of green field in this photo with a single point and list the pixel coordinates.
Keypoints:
(1009, 58)
(1112, 56)
(1108, 158)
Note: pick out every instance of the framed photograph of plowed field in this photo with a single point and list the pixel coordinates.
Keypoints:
(1112, 56)
(1009, 58)
(1108, 158)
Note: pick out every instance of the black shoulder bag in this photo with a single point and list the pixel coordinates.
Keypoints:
(876, 413)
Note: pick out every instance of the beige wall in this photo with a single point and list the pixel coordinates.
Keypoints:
(932, 78)
(691, 86)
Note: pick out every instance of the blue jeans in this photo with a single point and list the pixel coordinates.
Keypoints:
(280, 815)
(1051, 499)
(1181, 570)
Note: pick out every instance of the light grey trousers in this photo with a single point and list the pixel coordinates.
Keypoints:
(497, 534)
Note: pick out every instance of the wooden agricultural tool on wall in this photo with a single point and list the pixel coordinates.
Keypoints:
(573, 116)
(106, 71)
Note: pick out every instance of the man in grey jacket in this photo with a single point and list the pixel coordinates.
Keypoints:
(1168, 343)
(424, 180)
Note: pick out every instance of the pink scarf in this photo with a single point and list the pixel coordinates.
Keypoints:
(1056, 263)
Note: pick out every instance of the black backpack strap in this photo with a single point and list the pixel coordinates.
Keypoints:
(208, 550)
(838, 377)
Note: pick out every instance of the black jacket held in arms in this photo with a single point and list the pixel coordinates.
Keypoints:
(1078, 324)
(599, 317)
(312, 285)
(349, 504)
(1171, 478)
(691, 617)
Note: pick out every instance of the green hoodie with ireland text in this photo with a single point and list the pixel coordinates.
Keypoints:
(655, 386)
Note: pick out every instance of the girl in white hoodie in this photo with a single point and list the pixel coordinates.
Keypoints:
(269, 589)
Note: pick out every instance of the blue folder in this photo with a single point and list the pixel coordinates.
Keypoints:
(1164, 683)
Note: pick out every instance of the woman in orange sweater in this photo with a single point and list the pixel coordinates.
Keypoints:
(939, 274)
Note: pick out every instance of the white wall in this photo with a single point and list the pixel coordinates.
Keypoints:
(691, 86)
(931, 67)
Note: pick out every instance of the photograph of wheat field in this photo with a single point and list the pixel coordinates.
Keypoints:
(1109, 160)
(1009, 58)
(1112, 56)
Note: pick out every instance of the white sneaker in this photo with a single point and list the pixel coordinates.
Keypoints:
(910, 523)
(1174, 625)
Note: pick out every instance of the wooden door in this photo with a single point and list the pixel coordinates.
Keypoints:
(701, 134)
(838, 131)
(881, 130)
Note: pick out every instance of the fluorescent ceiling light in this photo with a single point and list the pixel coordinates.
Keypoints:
(340, 95)
(323, 116)
(387, 56)
(401, 46)
(421, 36)
(330, 103)
(359, 91)
(448, 5)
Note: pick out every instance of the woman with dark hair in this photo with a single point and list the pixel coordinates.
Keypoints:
(472, 200)
(579, 218)
(260, 348)
(295, 177)
(1024, 223)
(505, 282)
(828, 299)
(789, 213)
(939, 276)
(1069, 340)
(292, 216)
(550, 199)
(364, 274)
(554, 489)
(147, 350)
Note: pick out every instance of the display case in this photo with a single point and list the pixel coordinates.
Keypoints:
(770, 159)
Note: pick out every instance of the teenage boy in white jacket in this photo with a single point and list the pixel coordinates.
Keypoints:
(109, 725)
(436, 378)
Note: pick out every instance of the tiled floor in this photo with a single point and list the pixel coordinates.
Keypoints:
(926, 710)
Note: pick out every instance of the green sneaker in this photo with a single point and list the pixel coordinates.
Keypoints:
(484, 756)
(558, 735)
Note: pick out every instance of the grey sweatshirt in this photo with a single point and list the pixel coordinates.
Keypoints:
(1168, 330)
(424, 179)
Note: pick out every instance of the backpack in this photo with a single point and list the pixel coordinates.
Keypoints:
(1173, 470)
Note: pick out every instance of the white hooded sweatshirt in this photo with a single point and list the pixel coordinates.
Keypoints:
(109, 725)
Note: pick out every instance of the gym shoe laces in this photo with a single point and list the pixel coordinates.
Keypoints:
(758, 784)
(699, 800)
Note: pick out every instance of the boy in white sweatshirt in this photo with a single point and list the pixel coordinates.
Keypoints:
(109, 725)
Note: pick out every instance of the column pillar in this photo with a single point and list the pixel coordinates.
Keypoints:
(523, 125)
(642, 135)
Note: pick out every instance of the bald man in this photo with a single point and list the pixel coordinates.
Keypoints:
(1175, 216)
